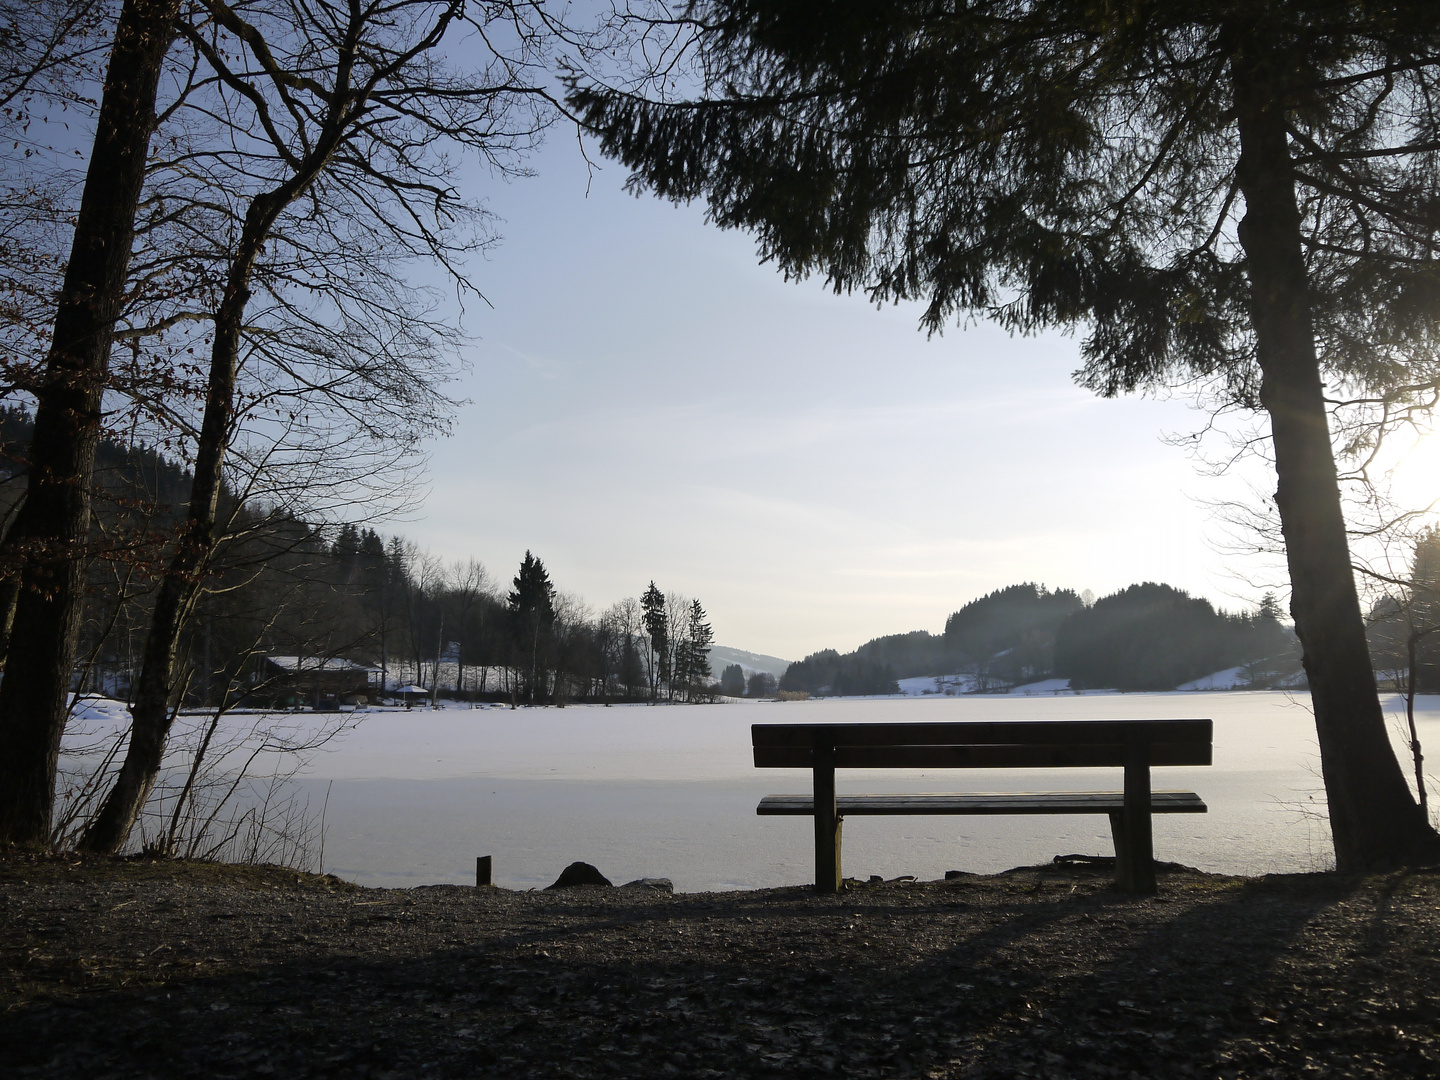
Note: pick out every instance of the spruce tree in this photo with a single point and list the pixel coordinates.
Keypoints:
(652, 606)
(698, 639)
(693, 653)
(531, 606)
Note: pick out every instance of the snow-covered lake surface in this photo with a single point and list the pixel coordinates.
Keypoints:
(671, 792)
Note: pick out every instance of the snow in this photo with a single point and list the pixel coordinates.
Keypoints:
(98, 708)
(1043, 688)
(926, 684)
(1231, 678)
(314, 663)
(948, 685)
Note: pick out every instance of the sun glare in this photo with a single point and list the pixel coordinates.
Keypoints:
(1414, 476)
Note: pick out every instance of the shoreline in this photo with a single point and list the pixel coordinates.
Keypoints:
(157, 968)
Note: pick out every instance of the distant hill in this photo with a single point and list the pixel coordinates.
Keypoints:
(1156, 637)
(1146, 637)
(1008, 636)
(722, 657)
(132, 481)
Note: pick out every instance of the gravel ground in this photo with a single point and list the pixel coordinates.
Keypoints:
(115, 968)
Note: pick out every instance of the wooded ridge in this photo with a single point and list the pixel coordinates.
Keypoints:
(1145, 637)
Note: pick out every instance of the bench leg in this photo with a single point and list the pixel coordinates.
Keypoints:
(1122, 849)
(827, 854)
(1134, 843)
(827, 824)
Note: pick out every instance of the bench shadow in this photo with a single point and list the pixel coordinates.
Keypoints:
(1201, 994)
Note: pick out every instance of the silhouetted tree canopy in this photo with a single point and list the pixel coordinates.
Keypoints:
(1242, 193)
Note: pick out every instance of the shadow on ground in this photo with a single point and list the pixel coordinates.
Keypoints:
(1034, 974)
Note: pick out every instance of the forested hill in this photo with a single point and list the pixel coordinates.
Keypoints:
(1145, 637)
(124, 475)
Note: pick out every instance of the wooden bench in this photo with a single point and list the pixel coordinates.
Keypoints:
(1134, 745)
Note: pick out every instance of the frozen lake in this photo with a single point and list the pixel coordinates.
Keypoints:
(671, 792)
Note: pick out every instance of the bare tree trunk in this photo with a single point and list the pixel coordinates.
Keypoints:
(384, 659)
(49, 535)
(1374, 820)
(435, 675)
(1411, 652)
(152, 716)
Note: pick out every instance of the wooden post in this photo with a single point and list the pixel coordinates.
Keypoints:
(827, 818)
(482, 871)
(1138, 859)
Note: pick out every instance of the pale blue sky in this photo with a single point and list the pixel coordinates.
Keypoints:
(649, 402)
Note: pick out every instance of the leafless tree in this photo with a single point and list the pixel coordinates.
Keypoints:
(320, 132)
(45, 543)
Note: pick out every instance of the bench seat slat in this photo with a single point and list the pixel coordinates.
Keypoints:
(979, 732)
(977, 803)
(985, 756)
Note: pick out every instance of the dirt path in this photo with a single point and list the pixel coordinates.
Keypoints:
(140, 969)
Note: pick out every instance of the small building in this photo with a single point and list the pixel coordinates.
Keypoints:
(317, 681)
(412, 695)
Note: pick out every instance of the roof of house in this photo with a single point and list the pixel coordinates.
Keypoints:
(315, 663)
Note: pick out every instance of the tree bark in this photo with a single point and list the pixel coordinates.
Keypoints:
(9, 588)
(1373, 818)
(49, 536)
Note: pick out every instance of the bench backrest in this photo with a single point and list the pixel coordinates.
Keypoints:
(984, 744)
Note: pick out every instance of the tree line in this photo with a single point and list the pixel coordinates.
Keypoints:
(1145, 637)
(758, 684)
(288, 587)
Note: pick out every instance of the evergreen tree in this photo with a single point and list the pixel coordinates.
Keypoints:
(652, 605)
(347, 542)
(699, 637)
(1242, 193)
(1146, 637)
(531, 606)
(917, 653)
(346, 553)
(632, 671)
(1156, 637)
(732, 681)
